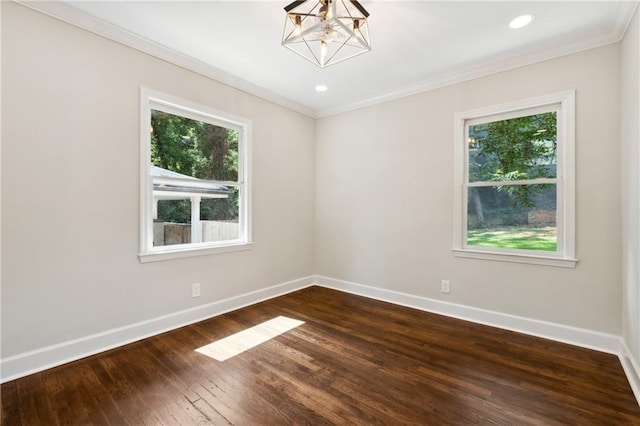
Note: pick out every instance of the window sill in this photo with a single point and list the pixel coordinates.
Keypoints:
(516, 258)
(158, 256)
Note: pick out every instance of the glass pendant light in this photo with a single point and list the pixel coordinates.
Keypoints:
(326, 32)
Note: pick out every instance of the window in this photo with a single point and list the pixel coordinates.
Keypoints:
(514, 182)
(194, 179)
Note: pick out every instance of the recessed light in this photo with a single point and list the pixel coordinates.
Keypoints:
(521, 21)
(321, 88)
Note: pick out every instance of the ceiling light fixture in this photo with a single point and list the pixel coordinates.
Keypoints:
(321, 88)
(326, 32)
(521, 21)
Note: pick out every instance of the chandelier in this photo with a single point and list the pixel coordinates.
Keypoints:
(326, 32)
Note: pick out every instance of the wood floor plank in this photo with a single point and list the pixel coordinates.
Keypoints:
(353, 361)
(9, 402)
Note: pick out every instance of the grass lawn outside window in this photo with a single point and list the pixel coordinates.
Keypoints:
(515, 237)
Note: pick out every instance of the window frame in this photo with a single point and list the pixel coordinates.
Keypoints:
(150, 99)
(564, 256)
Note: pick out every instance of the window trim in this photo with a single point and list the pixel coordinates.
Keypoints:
(565, 182)
(150, 99)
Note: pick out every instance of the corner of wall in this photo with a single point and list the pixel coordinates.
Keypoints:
(631, 369)
(630, 187)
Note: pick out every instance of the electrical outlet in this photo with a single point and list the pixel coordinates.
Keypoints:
(195, 290)
(445, 286)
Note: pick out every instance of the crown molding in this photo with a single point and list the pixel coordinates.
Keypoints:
(624, 16)
(500, 63)
(493, 65)
(88, 22)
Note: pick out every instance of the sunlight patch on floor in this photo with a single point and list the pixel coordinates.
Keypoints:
(235, 344)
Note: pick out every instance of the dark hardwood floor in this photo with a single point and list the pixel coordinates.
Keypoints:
(354, 361)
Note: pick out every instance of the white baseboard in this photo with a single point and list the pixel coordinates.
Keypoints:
(631, 369)
(23, 364)
(589, 339)
(562, 333)
(41, 359)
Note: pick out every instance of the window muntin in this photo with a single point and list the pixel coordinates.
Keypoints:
(514, 183)
(194, 178)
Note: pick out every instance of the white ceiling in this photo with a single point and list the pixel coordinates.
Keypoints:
(416, 45)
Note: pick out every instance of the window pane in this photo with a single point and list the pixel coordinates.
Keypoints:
(186, 155)
(217, 220)
(193, 148)
(173, 224)
(514, 217)
(515, 149)
(220, 218)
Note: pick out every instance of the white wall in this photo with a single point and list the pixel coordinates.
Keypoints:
(70, 179)
(378, 188)
(384, 197)
(630, 186)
